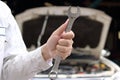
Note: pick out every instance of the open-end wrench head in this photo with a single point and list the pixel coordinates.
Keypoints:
(53, 75)
(74, 15)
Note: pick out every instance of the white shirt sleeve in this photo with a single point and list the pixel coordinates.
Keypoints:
(25, 64)
(24, 67)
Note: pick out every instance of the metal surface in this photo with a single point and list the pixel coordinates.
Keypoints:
(93, 78)
(43, 30)
(72, 17)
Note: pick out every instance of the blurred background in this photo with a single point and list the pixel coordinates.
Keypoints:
(110, 7)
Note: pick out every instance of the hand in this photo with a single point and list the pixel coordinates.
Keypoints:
(59, 43)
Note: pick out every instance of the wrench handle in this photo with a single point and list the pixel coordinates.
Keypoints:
(70, 23)
(54, 72)
(57, 62)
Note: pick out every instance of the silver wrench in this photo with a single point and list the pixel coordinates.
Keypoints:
(72, 17)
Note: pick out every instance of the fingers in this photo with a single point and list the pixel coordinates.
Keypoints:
(64, 47)
(65, 42)
(68, 35)
(64, 51)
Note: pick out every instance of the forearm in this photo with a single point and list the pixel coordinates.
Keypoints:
(23, 67)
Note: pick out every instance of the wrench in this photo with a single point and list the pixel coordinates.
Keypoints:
(72, 17)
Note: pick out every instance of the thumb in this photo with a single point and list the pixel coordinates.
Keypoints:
(62, 28)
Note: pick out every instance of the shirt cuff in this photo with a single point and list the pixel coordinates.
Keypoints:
(43, 65)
